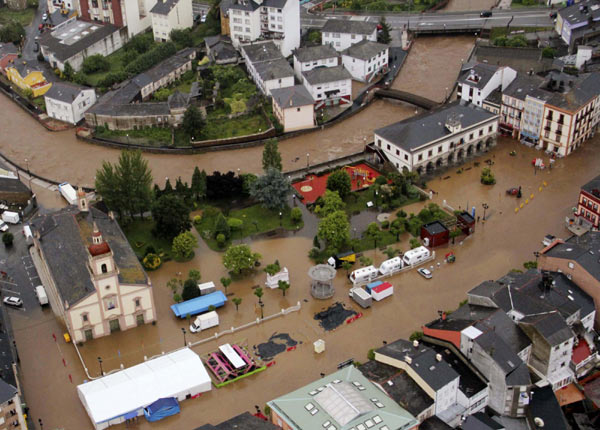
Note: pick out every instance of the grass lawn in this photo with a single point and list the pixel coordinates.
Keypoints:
(39, 102)
(139, 235)
(256, 220)
(24, 17)
(501, 31)
(116, 65)
(357, 201)
(240, 126)
(154, 136)
(364, 244)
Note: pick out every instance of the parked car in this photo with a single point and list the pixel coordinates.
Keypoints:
(425, 273)
(486, 14)
(36, 46)
(44, 17)
(548, 239)
(553, 15)
(13, 301)
(3, 226)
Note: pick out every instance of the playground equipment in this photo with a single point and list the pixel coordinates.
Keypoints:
(358, 174)
(230, 362)
(321, 285)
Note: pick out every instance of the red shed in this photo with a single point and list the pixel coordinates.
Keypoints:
(466, 223)
(435, 233)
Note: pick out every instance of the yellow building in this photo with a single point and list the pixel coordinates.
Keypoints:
(28, 78)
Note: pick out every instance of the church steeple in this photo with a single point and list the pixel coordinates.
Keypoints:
(82, 202)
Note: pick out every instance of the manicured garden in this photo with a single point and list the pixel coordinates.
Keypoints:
(23, 17)
(140, 237)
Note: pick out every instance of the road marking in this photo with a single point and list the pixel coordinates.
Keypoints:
(29, 267)
(9, 283)
(11, 291)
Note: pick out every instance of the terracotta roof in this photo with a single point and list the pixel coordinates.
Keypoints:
(99, 249)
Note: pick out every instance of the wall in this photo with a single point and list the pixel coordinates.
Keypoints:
(341, 41)
(300, 67)
(291, 27)
(299, 118)
(288, 81)
(104, 47)
(71, 112)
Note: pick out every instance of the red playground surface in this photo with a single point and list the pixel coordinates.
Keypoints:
(313, 186)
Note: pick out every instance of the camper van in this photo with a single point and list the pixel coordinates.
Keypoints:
(363, 275)
(416, 256)
(390, 266)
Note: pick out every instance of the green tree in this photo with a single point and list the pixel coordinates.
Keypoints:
(397, 228)
(332, 202)
(273, 268)
(182, 38)
(190, 290)
(340, 181)
(240, 259)
(174, 284)
(334, 229)
(271, 158)
(192, 122)
(258, 292)
(384, 34)
(171, 216)
(226, 282)
(237, 301)
(296, 215)
(390, 252)
(346, 265)
(271, 189)
(68, 71)
(517, 42)
(198, 184)
(487, 177)
(7, 238)
(221, 226)
(365, 261)
(194, 275)
(12, 32)
(95, 63)
(314, 36)
(283, 286)
(414, 243)
(374, 233)
(455, 233)
(183, 245)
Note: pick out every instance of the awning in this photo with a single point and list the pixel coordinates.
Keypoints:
(130, 415)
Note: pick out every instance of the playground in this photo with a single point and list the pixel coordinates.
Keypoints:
(313, 186)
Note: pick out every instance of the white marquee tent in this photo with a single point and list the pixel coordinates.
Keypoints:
(113, 398)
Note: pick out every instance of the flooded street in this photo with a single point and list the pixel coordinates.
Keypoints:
(432, 65)
(469, 5)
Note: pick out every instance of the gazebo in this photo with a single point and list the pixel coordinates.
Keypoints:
(321, 285)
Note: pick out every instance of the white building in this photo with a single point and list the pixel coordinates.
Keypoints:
(11, 411)
(438, 138)
(76, 40)
(54, 5)
(341, 34)
(328, 86)
(133, 14)
(267, 67)
(294, 107)
(67, 102)
(306, 59)
(168, 15)
(94, 281)
(277, 20)
(477, 82)
(365, 59)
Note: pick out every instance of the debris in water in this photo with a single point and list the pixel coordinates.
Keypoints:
(333, 316)
(276, 344)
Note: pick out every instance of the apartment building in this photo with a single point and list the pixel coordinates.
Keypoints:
(68, 102)
(577, 23)
(365, 60)
(293, 107)
(588, 205)
(308, 58)
(477, 82)
(341, 34)
(133, 14)
(329, 86)
(267, 67)
(169, 15)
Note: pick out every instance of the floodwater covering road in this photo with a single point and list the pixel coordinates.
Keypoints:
(469, 5)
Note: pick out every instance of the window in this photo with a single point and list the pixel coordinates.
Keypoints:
(84, 317)
(379, 142)
(388, 147)
(420, 157)
(137, 302)
(103, 268)
(297, 109)
(430, 153)
(571, 265)
(406, 157)
(110, 302)
(397, 152)
(481, 132)
(439, 149)
(471, 136)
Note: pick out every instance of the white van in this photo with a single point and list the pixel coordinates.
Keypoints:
(204, 321)
(10, 217)
(40, 292)
(416, 256)
(364, 275)
(28, 235)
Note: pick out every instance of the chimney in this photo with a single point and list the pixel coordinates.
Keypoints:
(416, 343)
(111, 215)
(438, 357)
(408, 359)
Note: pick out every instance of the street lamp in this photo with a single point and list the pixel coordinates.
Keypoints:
(537, 254)
(485, 207)
(238, 172)
(100, 362)
(280, 219)
(262, 305)
(184, 332)
(41, 424)
(307, 160)
(127, 138)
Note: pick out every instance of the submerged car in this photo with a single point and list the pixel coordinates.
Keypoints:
(426, 273)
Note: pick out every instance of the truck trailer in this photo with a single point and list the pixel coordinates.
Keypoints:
(360, 296)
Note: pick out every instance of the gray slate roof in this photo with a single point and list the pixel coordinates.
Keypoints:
(65, 236)
(483, 72)
(413, 133)
(314, 53)
(524, 85)
(435, 373)
(134, 109)
(544, 405)
(515, 371)
(275, 69)
(64, 92)
(7, 48)
(583, 249)
(349, 26)
(7, 391)
(480, 421)
(321, 75)
(245, 421)
(8, 185)
(64, 51)
(573, 15)
(259, 52)
(294, 96)
(594, 184)
(506, 328)
(550, 326)
(364, 50)
(178, 100)
(163, 7)
(172, 63)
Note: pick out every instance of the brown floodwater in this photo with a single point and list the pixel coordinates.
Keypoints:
(468, 5)
(432, 65)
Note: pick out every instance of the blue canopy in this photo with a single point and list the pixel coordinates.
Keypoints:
(199, 304)
(162, 408)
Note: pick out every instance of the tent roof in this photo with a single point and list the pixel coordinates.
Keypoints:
(136, 387)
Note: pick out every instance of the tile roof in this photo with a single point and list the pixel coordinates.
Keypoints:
(584, 249)
(506, 328)
(178, 100)
(551, 326)
(574, 16)
(321, 75)
(275, 69)
(294, 96)
(349, 26)
(7, 391)
(364, 50)
(419, 130)
(524, 85)
(544, 405)
(481, 421)
(163, 7)
(508, 362)
(314, 53)
(171, 64)
(258, 52)
(245, 421)
(64, 92)
(478, 75)
(593, 186)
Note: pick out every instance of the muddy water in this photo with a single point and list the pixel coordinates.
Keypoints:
(469, 5)
(432, 65)
(502, 243)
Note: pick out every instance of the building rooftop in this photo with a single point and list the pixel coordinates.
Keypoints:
(477, 75)
(258, 52)
(314, 53)
(515, 371)
(247, 5)
(413, 133)
(435, 227)
(163, 7)
(130, 110)
(7, 358)
(295, 96)
(321, 75)
(524, 85)
(579, 90)
(74, 37)
(495, 98)
(593, 187)
(342, 400)
(178, 100)
(7, 391)
(506, 328)
(274, 69)
(9, 48)
(583, 249)
(481, 421)
(579, 14)
(551, 326)
(436, 374)
(245, 421)
(349, 26)
(364, 50)
(65, 236)
(64, 92)
(171, 64)
(544, 405)
(13, 185)
(434, 423)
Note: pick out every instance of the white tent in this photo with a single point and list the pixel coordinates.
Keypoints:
(113, 398)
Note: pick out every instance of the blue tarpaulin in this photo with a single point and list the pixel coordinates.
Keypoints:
(130, 415)
(199, 304)
(162, 408)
